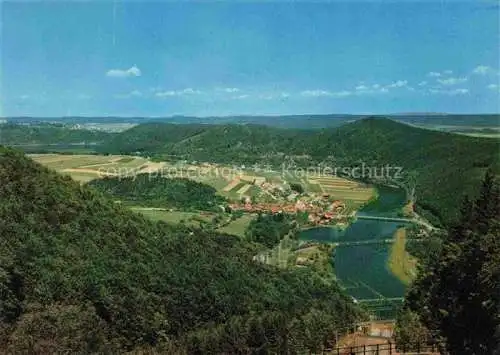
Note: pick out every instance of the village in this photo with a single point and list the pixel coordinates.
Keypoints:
(321, 208)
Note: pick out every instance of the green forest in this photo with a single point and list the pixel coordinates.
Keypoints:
(269, 229)
(48, 134)
(456, 296)
(82, 274)
(152, 190)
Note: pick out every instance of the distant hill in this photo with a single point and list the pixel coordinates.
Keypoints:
(150, 137)
(47, 134)
(446, 165)
(80, 274)
(304, 121)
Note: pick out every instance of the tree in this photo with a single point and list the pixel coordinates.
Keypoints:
(410, 186)
(409, 331)
(457, 293)
(297, 187)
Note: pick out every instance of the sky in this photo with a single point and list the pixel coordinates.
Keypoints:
(129, 58)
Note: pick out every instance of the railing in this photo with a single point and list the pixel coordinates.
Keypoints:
(385, 349)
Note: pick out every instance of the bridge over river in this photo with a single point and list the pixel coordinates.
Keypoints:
(388, 219)
(372, 241)
(416, 220)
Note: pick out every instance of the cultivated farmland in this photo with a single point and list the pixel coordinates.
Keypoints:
(84, 168)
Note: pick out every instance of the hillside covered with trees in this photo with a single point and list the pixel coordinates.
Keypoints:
(443, 166)
(81, 274)
(48, 134)
(156, 191)
(269, 229)
(456, 296)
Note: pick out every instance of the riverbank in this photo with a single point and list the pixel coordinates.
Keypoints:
(400, 262)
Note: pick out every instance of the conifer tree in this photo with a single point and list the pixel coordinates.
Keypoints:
(457, 293)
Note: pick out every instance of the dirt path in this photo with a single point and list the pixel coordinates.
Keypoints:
(152, 167)
(149, 208)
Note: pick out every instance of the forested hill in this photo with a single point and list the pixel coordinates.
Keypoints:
(80, 274)
(157, 191)
(445, 166)
(150, 137)
(227, 142)
(48, 134)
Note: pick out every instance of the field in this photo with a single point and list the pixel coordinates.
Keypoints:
(318, 256)
(354, 194)
(238, 226)
(174, 217)
(490, 131)
(85, 167)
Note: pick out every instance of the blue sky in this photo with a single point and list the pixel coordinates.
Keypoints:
(218, 58)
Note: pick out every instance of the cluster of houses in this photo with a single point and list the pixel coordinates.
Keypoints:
(320, 208)
(318, 213)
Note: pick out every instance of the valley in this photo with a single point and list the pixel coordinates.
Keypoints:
(250, 178)
(305, 213)
(355, 238)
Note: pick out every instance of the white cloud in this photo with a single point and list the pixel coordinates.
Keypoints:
(452, 81)
(83, 97)
(342, 93)
(190, 91)
(270, 96)
(398, 84)
(240, 97)
(24, 97)
(494, 87)
(482, 70)
(187, 91)
(373, 89)
(120, 73)
(434, 74)
(166, 93)
(459, 92)
(323, 93)
(316, 93)
(422, 83)
(231, 90)
(452, 92)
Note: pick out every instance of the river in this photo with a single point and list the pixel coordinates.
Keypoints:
(362, 269)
